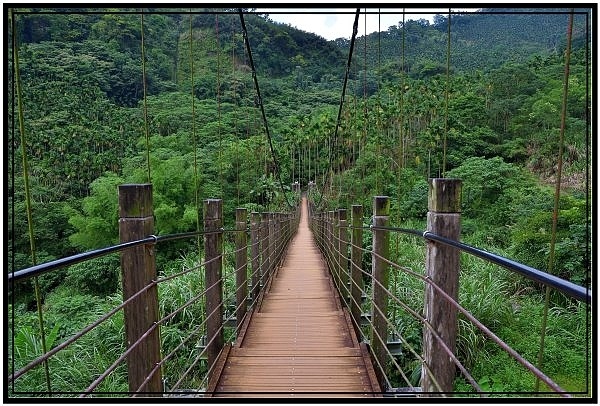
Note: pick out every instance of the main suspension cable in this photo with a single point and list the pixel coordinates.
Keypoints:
(337, 125)
(262, 107)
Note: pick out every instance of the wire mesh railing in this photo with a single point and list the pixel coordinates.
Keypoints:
(170, 326)
(417, 329)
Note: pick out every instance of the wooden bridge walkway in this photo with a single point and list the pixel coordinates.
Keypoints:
(299, 341)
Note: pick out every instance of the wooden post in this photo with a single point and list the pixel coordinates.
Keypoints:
(335, 250)
(213, 248)
(322, 231)
(343, 255)
(330, 220)
(264, 248)
(356, 257)
(138, 269)
(255, 253)
(280, 235)
(321, 228)
(288, 226)
(241, 264)
(272, 244)
(381, 243)
(442, 267)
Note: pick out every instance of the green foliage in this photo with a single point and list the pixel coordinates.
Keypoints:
(414, 205)
(84, 122)
(531, 240)
(100, 276)
(96, 224)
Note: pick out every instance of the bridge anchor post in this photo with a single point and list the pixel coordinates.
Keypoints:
(356, 264)
(255, 253)
(265, 263)
(138, 270)
(241, 264)
(380, 269)
(442, 268)
(213, 270)
(343, 256)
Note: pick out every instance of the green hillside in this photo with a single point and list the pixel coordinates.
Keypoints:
(492, 120)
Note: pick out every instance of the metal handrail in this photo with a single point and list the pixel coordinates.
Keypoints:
(570, 289)
(40, 269)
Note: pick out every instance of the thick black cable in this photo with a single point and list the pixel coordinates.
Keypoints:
(339, 117)
(262, 107)
(570, 289)
(85, 256)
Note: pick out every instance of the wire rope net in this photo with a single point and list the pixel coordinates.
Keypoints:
(182, 320)
(397, 377)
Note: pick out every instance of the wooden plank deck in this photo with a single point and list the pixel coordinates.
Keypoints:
(299, 342)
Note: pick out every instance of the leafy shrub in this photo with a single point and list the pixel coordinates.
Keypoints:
(98, 276)
(415, 203)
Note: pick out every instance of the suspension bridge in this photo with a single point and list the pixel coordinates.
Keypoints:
(309, 314)
(298, 318)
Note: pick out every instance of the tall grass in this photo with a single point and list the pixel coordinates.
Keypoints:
(506, 303)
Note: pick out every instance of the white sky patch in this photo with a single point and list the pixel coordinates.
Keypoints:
(333, 23)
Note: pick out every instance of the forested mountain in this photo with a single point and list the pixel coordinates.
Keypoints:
(95, 110)
(483, 40)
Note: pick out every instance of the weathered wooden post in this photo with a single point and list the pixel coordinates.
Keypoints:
(335, 250)
(264, 248)
(321, 231)
(330, 220)
(356, 261)
(138, 269)
(241, 264)
(343, 255)
(442, 267)
(279, 238)
(213, 249)
(381, 243)
(272, 244)
(255, 253)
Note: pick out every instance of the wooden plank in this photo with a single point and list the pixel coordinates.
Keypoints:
(300, 341)
(258, 352)
(218, 369)
(369, 367)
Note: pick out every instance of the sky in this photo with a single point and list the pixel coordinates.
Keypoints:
(333, 23)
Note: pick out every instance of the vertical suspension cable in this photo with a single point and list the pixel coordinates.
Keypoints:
(237, 109)
(219, 103)
(262, 109)
(378, 116)
(365, 87)
(144, 89)
(195, 141)
(587, 172)
(36, 285)
(365, 108)
(348, 65)
(446, 97)
(563, 119)
(401, 130)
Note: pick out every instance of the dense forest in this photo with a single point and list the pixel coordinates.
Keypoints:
(105, 103)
